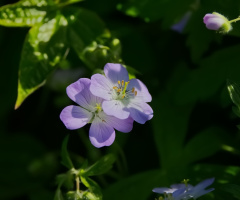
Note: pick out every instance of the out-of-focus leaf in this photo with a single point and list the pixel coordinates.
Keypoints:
(66, 161)
(74, 195)
(233, 189)
(170, 127)
(138, 186)
(66, 180)
(66, 2)
(95, 191)
(25, 12)
(204, 144)
(44, 47)
(205, 81)
(101, 166)
(58, 195)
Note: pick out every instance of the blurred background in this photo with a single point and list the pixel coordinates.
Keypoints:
(193, 133)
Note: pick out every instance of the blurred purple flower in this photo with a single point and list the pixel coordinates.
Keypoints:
(122, 98)
(179, 27)
(102, 131)
(185, 191)
(217, 22)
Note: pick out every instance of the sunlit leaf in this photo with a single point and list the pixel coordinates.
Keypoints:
(44, 47)
(94, 192)
(101, 166)
(25, 12)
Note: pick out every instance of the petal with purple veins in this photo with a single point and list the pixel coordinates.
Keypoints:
(123, 125)
(140, 112)
(115, 108)
(101, 86)
(142, 91)
(101, 134)
(75, 117)
(116, 72)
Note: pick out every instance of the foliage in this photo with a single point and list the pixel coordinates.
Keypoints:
(192, 76)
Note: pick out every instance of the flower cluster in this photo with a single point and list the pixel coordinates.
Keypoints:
(184, 191)
(108, 102)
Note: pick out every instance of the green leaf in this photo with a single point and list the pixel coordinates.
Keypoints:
(74, 195)
(170, 128)
(44, 47)
(234, 92)
(95, 191)
(66, 161)
(101, 166)
(210, 76)
(84, 28)
(138, 186)
(203, 145)
(25, 12)
(233, 189)
(58, 195)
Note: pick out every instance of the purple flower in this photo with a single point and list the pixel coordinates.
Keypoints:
(185, 191)
(217, 22)
(122, 98)
(102, 131)
(179, 27)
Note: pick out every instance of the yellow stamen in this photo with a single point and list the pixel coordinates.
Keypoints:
(125, 87)
(119, 90)
(118, 82)
(98, 107)
(135, 93)
(115, 87)
(122, 82)
(133, 89)
(123, 96)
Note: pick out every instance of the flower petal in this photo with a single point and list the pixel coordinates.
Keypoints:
(123, 125)
(116, 72)
(101, 86)
(78, 92)
(163, 190)
(142, 91)
(75, 117)
(115, 108)
(140, 112)
(101, 134)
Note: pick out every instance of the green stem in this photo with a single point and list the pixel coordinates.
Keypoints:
(234, 20)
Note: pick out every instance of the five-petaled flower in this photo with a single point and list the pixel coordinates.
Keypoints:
(123, 98)
(217, 22)
(102, 131)
(185, 191)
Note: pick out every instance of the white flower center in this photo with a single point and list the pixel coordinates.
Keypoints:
(121, 91)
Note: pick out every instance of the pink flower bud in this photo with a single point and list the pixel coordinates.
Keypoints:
(217, 22)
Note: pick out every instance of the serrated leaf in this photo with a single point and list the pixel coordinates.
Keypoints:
(25, 12)
(43, 48)
(101, 166)
(66, 161)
